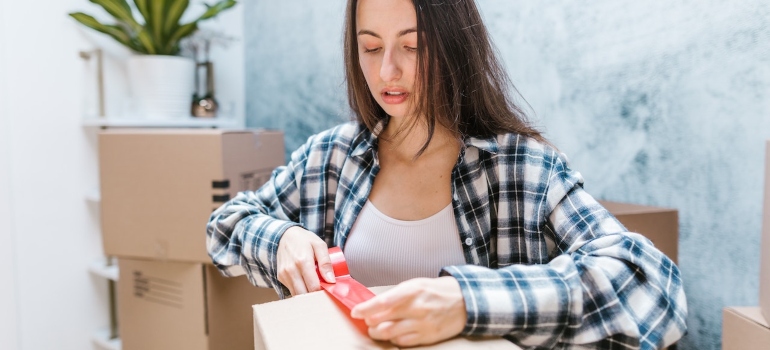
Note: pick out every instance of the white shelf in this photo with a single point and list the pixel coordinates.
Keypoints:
(190, 122)
(102, 340)
(93, 197)
(101, 269)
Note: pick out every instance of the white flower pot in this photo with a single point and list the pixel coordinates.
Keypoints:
(161, 86)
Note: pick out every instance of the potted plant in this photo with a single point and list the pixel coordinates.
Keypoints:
(161, 81)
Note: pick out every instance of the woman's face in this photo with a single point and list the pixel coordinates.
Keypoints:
(387, 51)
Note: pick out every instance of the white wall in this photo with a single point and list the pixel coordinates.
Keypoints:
(8, 314)
(48, 233)
(55, 236)
(229, 62)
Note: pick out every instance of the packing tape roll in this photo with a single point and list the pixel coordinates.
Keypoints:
(346, 290)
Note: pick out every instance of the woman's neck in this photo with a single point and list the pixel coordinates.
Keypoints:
(406, 143)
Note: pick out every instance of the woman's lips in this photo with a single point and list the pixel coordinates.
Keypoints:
(394, 97)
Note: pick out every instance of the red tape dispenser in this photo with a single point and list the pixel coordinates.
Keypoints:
(346, 290)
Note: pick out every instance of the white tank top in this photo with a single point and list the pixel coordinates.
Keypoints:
(383, 251)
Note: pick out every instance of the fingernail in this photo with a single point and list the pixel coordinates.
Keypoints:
(330, 277)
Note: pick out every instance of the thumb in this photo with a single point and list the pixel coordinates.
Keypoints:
(324, 261)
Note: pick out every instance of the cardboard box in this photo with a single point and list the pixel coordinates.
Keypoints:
(744, 328)
(764, 253)
(172, 305)
(660, 225)
(159, 186)
(316, 321)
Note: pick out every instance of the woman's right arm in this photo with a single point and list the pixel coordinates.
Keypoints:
(244, 234)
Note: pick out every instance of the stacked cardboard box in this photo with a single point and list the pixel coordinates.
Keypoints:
(748, 328)
(325, 326)
(660, 225)
(178, 305)
(158, 188)
(744, 328)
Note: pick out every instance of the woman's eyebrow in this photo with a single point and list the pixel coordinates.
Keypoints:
(400, 34)
(407, 31)
(368, 32)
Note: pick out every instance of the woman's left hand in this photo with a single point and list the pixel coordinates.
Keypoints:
(417, 311)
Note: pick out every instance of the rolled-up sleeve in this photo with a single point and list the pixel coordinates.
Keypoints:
(242, 235)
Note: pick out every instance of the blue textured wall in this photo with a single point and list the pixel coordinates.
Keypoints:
(655, 102)
(294, 70)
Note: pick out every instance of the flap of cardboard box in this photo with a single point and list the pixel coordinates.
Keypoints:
(744, 328)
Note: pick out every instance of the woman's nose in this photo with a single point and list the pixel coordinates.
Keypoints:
(390, 70)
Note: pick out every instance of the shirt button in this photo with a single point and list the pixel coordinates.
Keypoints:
(468, 241)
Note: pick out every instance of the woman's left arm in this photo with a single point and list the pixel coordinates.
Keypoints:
(606, 287)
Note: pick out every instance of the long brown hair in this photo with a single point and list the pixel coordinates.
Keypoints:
(460, 83)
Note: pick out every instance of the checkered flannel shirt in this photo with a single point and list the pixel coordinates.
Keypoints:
(547, 266)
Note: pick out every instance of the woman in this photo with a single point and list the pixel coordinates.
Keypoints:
(440, 175)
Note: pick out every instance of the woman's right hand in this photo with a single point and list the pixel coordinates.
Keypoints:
(298, 252)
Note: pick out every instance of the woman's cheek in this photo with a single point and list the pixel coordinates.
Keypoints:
(370, 69)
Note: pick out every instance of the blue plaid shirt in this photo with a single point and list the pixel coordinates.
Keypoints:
(547, 266)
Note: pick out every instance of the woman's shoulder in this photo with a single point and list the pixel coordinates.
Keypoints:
(518, 144)
(344, 131)
(342, 137)
(535, 155)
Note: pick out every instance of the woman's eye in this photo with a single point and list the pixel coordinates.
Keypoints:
(371, 50)
(411, 49)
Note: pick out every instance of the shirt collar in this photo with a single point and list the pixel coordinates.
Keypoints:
(488, 144)
(367, 140)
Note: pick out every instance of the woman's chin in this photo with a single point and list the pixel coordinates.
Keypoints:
(396, 114)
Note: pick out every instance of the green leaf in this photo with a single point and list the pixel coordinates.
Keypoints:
(181, 33)
(141, 5)
(116, 32)
(146, 40)
(161, 31)
(213, 10)
(157, 14)
(125, 5)
(175, 11)
(117, 10)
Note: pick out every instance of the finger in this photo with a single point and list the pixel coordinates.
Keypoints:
(285, 279)
(379, 303)
(390, 330)
(309, 276)
(321, 252)
(410, 339)
(382, 307)
(297, 282)
(386, 312)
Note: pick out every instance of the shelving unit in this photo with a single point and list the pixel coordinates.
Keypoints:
(104, 268)
(93, 197)
(102, 340)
